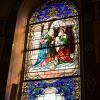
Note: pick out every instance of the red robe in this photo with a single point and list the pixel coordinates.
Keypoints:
(64, 54)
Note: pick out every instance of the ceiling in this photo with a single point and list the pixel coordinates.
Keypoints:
(5, 8)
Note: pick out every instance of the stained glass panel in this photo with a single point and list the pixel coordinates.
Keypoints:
(51, 67)
(54, 48)
(54, 89)
(37, 32)
(54, 9)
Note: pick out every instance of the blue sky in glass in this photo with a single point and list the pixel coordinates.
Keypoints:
(59, 10)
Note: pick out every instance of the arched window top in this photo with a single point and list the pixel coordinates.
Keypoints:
(54, 10)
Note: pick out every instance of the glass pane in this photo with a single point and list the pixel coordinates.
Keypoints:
(48, 31)
(39, 65)
(54, 49)
(54, 9)
(54, 89)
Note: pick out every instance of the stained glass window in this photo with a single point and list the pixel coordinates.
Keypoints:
(52, 53)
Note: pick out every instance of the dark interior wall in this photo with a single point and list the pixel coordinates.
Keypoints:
(8, 17)
(89, 51)
(91, 41)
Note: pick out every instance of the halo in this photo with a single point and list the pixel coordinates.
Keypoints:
(50, 90)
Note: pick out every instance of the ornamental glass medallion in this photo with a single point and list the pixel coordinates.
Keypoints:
(54, 89)
(53, 51)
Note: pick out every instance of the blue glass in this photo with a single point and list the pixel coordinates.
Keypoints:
(59, 10)
(65, 87)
